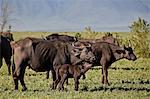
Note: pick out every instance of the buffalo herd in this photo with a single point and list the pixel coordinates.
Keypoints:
(65, 56)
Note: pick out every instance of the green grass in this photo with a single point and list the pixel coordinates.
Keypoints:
(128, 80)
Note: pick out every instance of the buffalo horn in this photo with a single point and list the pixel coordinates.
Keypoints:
(130, 45)
(89, 45)
(80, 47)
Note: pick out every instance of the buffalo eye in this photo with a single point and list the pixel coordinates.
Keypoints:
(120, 51)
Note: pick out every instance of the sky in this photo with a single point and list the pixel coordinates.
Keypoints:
(75, 15)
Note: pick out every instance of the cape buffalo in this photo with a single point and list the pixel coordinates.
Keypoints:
(107, 53)
(63, 72)
(108, 39)
(5, 52)
(42, 55)
(63, 38)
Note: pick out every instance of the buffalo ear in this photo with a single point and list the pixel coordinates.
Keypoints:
(120, 51)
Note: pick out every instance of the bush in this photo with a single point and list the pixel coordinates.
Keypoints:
(90, 33)
(140, 30)
(78, 35)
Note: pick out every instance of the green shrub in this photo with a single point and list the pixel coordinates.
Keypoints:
(140, 30)
(78, 35)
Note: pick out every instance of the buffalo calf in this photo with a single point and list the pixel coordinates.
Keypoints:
(67, 71)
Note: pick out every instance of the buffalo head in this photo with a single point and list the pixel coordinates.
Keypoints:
(127, 52)
(8, 35)
(83, 51)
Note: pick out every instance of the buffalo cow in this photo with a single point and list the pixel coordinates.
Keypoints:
(108, 39)
(107, 53)
(5, 52)
(43, 55)
(62, 38)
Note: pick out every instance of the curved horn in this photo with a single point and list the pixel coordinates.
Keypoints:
(89, 45)
(130, 45)
(75, 38)
(80, 47)
(124, 46)
(43, 37)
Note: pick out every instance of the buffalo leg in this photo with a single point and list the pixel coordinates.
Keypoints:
(8, 62)
(58, 78)
(76, 80)
(104, 71)
(54, 77)
(22, 79)
(16, 82)
(82, 68)
(61, 84)
(47, 74)
(83, 76)
(102, 77)
(67, 82)
(9, 72)
(15, 78)
(105, 74)
(1, 62)
(56, 83)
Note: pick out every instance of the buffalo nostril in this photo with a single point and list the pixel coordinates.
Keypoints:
(94, 58)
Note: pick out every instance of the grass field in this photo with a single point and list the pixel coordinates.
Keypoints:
(128, 80)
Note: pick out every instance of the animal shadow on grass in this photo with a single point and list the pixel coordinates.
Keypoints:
(140, 81)
(123, 68)
(33, 74)
(119, 89)
(85, 88)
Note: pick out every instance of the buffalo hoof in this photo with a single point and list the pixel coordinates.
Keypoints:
(61, 89)
(15, 89)
(9, 74)
(67, 83)
(24, 89)
(76, 89)
(52, 87)
(105, 85)
(83, 77)
(47, 77)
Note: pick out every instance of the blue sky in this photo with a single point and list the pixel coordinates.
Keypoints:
(74, 15)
